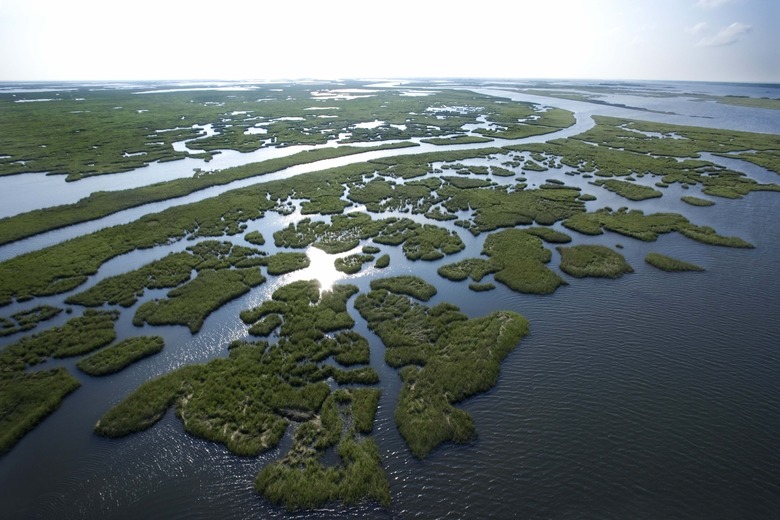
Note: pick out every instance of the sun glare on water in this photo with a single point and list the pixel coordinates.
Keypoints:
(322, 268)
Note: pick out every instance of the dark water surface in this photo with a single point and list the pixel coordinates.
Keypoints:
(656, 395)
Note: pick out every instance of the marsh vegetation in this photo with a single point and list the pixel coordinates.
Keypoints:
(666, 263)
(593, 260)
(118, 356)
(299, 368)
(433, 347)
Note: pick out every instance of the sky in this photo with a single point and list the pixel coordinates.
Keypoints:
(697, 40)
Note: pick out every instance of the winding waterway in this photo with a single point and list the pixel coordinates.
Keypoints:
(656, 395)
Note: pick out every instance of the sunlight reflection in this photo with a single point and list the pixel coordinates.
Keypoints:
(322, 268)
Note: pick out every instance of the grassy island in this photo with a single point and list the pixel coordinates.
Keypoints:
(192, 302)
(352, 264)
(666, 263)
(120, 355)
(413, 286)
(300, 480)
(433, 347)
(344, 233)
(517, 259)
(590, 260)
(481, 287)
(635, 224)
(629, 190)
(697, 201)
(382, 262)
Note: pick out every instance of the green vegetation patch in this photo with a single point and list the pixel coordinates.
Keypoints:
(172, 271)
(509, 129)
(120, 355)
(305, 311)
(191, 303)
(593, 260)
(26, 398)
(481, 287)
(255, 237)
(501, 172)
(78, 336)
(248, 400)
(382, 262)
(517, 257)
(466, 183)
(666, 263)
(549, 235)
(300, 480)
(675, 141)
(629, 190)
(500, 207)
(344, 233)
(697, 201)
(745, 101)
(636, 224)
(532, 166)
(26, 320)
(352, 264)
(474, 268)
(433, 347)
(382, 194)
(627, 148)
(418, 165)
(286, 262)
(522, 258)
(429, 242)
(413, 286)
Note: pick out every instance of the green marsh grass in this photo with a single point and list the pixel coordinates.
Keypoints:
(413, 286)
(669, 264)
(27, 398)
(116, 357)
(433, 347)
(593, 260)
(697, 201)
(352, 264)
(191, 303)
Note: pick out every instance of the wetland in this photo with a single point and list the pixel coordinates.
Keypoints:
(472, 314)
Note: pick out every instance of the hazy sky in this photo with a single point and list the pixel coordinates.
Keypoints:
(718, 40)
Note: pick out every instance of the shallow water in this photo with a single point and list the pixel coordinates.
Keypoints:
(652, 396)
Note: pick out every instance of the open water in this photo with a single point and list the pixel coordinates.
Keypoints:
(656, 395)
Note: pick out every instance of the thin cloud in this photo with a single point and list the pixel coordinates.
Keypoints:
(699, 28)
(726, 36)
(712, 4)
